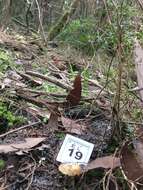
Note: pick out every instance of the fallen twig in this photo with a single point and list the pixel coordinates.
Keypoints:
(22, 24)
(32, 173)
(135, 89)
(96, 83)
(140, 3)
(29, 78)
(52, 80)
(40, 93)
(20, 128)
(40, 102)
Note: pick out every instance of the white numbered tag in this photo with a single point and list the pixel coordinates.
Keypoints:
(75, 150)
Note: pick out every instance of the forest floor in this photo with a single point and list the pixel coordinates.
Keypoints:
(36, 84)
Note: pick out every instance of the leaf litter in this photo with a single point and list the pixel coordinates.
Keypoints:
(107, 162)
(72, 126)
(24, 146)
(42, 161)
(132, 158)
(47, 153)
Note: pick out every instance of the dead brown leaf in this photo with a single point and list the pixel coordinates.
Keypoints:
(131, 165)
(103, 103)
(36, 111)
(138, 145)
(74, 96)
(139, 133)
(103, 162)
(25, 145)
(72, 126)
(53, 120)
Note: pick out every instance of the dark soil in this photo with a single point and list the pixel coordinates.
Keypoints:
(38, 169)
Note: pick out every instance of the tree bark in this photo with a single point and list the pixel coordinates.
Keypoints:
(5, 14)
(56, 29)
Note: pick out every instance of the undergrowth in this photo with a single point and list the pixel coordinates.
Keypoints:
(5, 60)
(8, 116)
(93, 33)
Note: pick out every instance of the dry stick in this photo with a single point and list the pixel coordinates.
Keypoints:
(39, 102)
(106, 83)
(107, 78)
(32, 173)
(22, 24)
(136, 89)
(42, 93)
(40, 21)
(49, 105)
(29, 78)
(27, 14)
(106, 8)
(61, 73)
(140, 3)
(103, 88)
(52, 80)
(20, 128)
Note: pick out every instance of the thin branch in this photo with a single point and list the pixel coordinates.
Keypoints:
(40, 93)
(140, 2)
(41, 26)
(52, 80)
(20, 128)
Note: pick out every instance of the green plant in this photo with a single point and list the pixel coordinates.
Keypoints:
(80, 34)
(2, 164)
(51, 88)
(5, 60)
(8, 116)
(89, 34)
